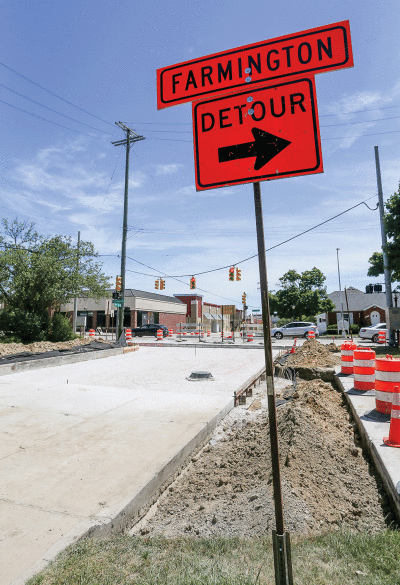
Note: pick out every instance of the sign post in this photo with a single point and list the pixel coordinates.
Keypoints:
(280, 539)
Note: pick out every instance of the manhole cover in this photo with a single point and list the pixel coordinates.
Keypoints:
(378, 416)
(361, 392)
(196, 376)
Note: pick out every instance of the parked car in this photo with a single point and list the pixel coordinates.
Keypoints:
(372, 332)
(150, 329)
(295, 329)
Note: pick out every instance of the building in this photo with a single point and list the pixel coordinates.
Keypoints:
(363, 309)
(140, 308)
(209, 314)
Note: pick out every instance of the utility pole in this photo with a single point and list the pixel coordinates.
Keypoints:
(74, 316)
(340, 292)
(130, 138)
(388, 284)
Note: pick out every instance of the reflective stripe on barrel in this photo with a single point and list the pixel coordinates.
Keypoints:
(347, 349)
(387, 376)
(364, 369)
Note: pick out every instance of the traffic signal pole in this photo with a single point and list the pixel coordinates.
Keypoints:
(131, 137)
(280, 538)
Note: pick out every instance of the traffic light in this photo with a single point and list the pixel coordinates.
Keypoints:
(116, 295)
(157, 284)
(244, 298)
(369, 289)
(118, 283)
(162, 284)
(193, 282)
(238, 274)
(232, 273)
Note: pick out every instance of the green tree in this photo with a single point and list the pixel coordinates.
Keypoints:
(37, 272)
(305, 292)
(392, 225)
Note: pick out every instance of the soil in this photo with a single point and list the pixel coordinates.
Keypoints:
(314, 354)
(41, 346)
(327, 481)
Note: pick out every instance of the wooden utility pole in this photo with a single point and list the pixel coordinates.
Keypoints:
(131, 137)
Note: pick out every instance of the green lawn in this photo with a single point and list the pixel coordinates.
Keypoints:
(338, 558)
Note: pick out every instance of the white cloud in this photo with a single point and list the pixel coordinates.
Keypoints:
(168, 169)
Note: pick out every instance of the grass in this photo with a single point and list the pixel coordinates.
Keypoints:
(337, 558)
(385, 349)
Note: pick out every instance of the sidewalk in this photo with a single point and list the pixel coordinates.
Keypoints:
(85, 444)
(386, 459)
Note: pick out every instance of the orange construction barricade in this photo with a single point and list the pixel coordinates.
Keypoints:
(92, 333)
(387, 377)
(393, 440)
(160, 335)
(364, 369)
(347, 348)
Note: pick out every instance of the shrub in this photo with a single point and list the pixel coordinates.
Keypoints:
(22, 325)
(60, 328)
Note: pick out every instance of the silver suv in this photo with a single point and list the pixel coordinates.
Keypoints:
(295, 329)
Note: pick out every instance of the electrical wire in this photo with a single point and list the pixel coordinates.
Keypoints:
(267, 250)
(50, 122)
(54, 111)
(55, 95)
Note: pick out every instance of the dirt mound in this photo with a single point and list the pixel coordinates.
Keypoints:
(326, 481)
(313, 354)
(40, 346)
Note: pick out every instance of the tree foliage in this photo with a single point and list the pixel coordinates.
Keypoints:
(38, 273)
(305, 292)
(392, 226)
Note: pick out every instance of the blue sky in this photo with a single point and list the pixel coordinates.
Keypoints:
(102, 57)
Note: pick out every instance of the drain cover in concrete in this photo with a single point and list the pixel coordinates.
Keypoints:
(197, 376)
(361, 392)
(378, 416)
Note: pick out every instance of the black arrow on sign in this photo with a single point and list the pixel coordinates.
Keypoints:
(264, 147)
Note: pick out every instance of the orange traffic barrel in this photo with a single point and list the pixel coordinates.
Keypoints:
(170, 332)
(249, 337)
(160, 335)
(387, 376)
(128, 334)
(382, 337)
(364, 369)
(92, 333)
(346, 357)
(311, 335)
(208, 333)
(393, 440)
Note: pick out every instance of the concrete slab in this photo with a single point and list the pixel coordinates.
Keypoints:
(387, 459)
(86, 444)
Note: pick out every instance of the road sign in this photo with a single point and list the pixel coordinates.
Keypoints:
(118, 302)
(229, 309)
(259, 134)
(316, 50)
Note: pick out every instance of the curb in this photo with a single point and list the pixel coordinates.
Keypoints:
(62, 360)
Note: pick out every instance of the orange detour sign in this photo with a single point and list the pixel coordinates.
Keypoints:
(316, 50)
(258, 134)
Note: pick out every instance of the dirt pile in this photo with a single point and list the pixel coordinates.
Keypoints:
(40, 346)
(326, 482)
(314, 354)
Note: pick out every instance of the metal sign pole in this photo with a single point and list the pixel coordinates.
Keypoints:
(280, 539)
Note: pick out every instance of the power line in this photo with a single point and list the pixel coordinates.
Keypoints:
(55, 95)
(50, 122)
(362, 122)
(55, 111)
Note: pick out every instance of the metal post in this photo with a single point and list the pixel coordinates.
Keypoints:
(388, 284)
(283, 569)
(340, 292)
(75, 314)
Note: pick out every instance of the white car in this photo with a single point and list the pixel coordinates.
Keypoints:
(372, 332)
(295, 329)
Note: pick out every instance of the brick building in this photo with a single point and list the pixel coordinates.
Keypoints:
(364, 309)
(141, 308)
